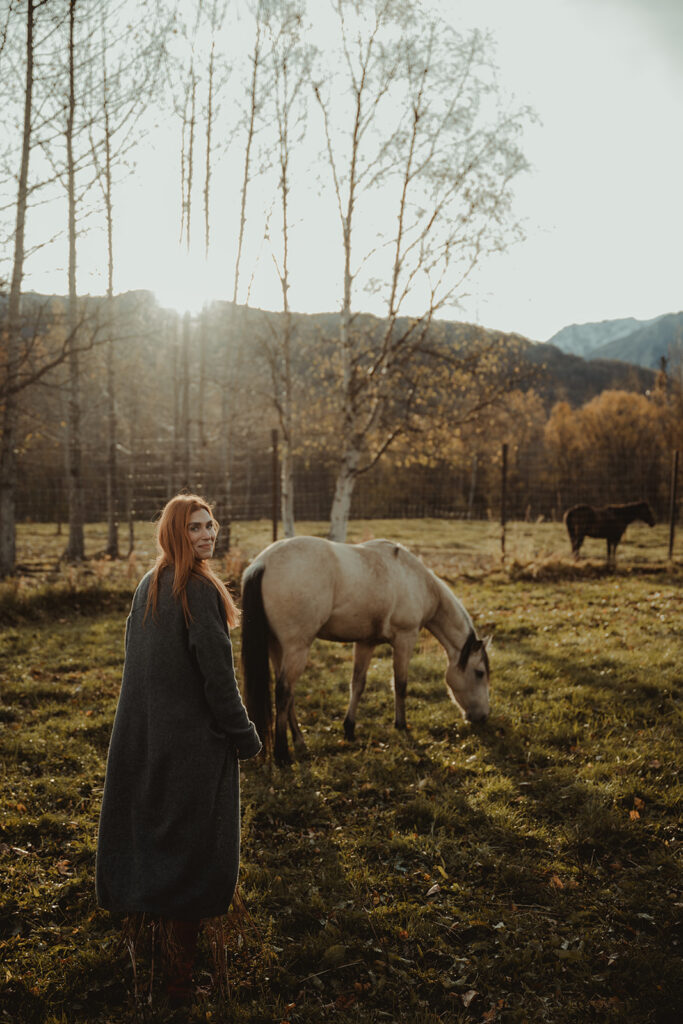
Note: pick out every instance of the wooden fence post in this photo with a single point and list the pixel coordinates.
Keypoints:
(275, 488)
(672, 506)
(503, 501)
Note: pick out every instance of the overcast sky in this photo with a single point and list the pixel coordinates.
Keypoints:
(602, 203)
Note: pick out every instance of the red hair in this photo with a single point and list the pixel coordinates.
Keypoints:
(176, 553)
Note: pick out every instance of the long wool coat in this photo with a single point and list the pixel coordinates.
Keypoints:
(170, 820)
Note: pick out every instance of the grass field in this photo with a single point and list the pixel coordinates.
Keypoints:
(526, 870)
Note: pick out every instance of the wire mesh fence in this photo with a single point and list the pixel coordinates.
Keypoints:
(499, 486)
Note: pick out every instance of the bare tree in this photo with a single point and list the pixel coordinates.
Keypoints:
(415, 142)
(11, 327)
(290, 60)
(75, 549)
(253, 101)
(122, 85)
(216, 77)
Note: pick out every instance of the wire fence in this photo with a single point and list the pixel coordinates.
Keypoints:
(500, 486)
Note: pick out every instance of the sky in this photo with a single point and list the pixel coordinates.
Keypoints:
(604, 201)
(602, 204)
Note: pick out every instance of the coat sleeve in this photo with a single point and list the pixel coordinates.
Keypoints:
(210, 645)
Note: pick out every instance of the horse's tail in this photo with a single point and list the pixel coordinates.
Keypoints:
(255, 663)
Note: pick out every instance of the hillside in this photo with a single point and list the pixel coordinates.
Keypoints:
(557, 374)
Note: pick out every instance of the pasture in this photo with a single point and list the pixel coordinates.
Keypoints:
(524, 870)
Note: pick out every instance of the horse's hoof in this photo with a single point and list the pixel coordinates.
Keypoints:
(349, 730)
(284, 760)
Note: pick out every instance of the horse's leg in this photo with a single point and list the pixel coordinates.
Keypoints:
(362, 653)
(292, 665)
(295, 728)
(577, 541)
(611, 551)
(403, 649)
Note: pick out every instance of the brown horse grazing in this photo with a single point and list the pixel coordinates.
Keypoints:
(368, 594)
(609, 522)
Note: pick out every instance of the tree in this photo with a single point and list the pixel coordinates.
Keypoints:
(413, 131)
(290, 60)
(622, 432)
(11, 327)
(123, 82)
(75, 549)
(253, 99)
(564, 445)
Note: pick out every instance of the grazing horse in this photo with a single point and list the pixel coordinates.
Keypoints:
(609, 522)
(378, 592)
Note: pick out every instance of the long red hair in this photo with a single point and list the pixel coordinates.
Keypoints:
(175, 552)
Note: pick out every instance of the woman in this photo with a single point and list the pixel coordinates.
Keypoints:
(169, 834)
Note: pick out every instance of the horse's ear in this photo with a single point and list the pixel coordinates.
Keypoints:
(488, 642)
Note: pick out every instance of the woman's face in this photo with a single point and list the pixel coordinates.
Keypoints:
(202, 532)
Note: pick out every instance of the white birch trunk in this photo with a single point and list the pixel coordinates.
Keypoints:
(287, 491)
(343, 492)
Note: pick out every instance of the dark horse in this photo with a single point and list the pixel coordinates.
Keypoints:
(609, 522)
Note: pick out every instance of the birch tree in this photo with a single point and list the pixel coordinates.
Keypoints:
(11, 327)
(124, 76)
(290, 61)
(252, 100)
(419, 149)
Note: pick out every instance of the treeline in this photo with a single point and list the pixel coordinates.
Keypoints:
(614, 447)
(374, 118)
(365, 138)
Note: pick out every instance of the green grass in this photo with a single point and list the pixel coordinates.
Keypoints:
(521, 871)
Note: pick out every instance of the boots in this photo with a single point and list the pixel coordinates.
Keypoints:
(180, 961)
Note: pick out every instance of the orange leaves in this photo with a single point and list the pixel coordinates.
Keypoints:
(638, 806)
(557, 883)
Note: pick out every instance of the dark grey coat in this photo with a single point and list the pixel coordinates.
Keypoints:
(170, 820)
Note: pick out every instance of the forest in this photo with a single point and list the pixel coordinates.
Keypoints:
(477, 391)
(398, 168)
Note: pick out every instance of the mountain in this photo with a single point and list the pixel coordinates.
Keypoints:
(583, 339)
(646, 345)
(639, 342)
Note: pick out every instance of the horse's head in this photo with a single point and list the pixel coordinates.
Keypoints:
(467, 678)
(647, 515)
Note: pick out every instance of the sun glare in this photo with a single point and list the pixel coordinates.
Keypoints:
(187, 283)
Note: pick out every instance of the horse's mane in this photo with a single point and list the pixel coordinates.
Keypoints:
(446, 591)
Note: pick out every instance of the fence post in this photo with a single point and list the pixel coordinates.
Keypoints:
(672, 506)
(503, 500)
(275, 488)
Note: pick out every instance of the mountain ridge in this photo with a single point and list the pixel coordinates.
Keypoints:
(638, 342)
